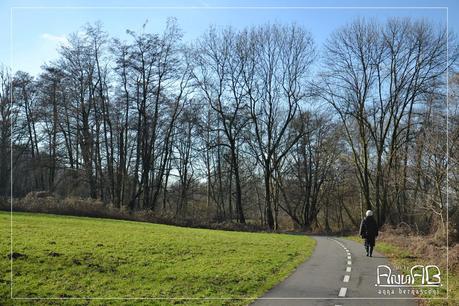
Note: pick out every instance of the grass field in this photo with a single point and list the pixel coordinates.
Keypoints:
(405, 259)
(61, 256)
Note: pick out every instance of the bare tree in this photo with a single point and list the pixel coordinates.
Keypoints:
(278, 59)
(7, 119)
(373, 77)
(219, 61)
(310, 167)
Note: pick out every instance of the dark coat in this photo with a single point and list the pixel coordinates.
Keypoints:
(369, 230)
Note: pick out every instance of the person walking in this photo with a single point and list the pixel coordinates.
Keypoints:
(369, 231)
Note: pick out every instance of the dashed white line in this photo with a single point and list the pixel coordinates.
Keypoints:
(342, 292)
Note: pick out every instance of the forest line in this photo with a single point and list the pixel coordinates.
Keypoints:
(250, 125)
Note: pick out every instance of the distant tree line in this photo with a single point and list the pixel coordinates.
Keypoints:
(252, 125)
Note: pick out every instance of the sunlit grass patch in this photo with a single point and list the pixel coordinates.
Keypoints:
(57, 256)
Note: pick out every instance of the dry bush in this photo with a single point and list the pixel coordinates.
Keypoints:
(427, 247)
(42, 202)
(46, 202)
(285, 223)
(454, 259)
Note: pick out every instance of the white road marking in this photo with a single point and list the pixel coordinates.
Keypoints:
(342, 292)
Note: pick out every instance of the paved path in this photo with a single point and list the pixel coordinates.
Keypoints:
(338, 273)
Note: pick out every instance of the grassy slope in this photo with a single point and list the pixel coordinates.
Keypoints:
(403, 258)
(84, 257)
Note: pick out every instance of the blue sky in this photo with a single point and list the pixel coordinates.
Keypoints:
(38, 31)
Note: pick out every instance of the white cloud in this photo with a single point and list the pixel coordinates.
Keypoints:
(60, 39)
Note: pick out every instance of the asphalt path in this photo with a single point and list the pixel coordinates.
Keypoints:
(337, 273)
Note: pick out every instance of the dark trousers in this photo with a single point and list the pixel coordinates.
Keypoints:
(369, 245)
(369, 250)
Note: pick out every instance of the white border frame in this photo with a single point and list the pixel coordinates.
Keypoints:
(235, 8)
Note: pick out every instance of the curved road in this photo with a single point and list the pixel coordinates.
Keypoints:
(337, 273)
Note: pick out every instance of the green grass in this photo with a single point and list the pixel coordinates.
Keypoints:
(86, 257)
(404, 259)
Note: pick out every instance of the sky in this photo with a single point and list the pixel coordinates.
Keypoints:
(32, 30)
